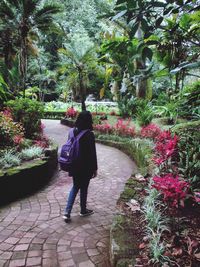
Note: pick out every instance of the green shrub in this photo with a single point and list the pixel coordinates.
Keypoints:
(169, 110)
(31, 153)
(9, 159)
(127, 106)
(144, 114)
(190, 101)
(189, 152)
(29, 113)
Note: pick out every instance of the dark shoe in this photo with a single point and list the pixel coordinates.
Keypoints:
(67, 218)
(86, 213)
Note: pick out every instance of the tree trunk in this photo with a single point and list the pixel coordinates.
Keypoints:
(141, 85)
(82, 91)
(23, 54)
(23, 64)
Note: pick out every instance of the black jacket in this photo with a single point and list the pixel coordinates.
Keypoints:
(87, 163)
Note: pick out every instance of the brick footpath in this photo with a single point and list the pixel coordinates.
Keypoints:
(32, 231)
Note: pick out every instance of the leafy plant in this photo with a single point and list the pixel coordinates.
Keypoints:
(169, 110)
(144, 115)
(190, 101)
(11, 133)
(9, 159)
(29, 113)
(31, 153)
(150, 131)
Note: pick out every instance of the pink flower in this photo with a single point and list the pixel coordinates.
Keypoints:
(165, 146)
(18, 139)
(122, 128)
(173, 189)
(71, 113)
(150, 131)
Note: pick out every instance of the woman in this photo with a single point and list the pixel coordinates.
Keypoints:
(87, 165)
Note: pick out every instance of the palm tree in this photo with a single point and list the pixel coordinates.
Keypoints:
(80, 60)
(27, 17)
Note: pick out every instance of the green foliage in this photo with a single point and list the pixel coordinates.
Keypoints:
(127, 106)
(29, 113)
(31, 153)
(156, 224)
(169, 110)
(189, 152)
(190, 101)
(95, 107)
(34, 17)
(9, 159)
(3, 90)
(144, 113)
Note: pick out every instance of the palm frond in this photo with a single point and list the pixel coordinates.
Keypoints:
(29, 7)
(6, 11)
(46, 12)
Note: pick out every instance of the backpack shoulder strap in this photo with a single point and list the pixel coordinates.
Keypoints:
(71, 133)
(81, 134)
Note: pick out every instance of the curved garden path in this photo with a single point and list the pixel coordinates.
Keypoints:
(33, 233)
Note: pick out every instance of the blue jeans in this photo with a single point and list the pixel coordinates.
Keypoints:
(83, 186)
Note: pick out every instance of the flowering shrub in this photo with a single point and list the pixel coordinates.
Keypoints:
(104, 128)
(165, 147)
(29, 113)
(71, 113)
(123, 128)
(173, 189)
(11, 133)
(42, 141)
(120, 128)
(150, 131)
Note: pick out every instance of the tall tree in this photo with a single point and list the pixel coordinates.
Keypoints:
(79, 58)
(27, 17)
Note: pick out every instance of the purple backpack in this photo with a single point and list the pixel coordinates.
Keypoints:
(70, 151)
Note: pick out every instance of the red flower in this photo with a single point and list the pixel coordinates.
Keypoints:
(165, 147)
(173, 189)
(71, 113)
(150, 131)
(18, 139)
(123, 128)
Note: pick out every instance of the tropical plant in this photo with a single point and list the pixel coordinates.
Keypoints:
(80, 58)
(9, 159)
(190, 101)
(3, 90)
(31, 153)
(11, 133)
(29, 113)
(144, 112)
(25, 18)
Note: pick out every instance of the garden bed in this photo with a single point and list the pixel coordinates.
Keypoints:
(128, 227)
(17, 182)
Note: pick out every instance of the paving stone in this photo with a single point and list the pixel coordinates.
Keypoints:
(19, 255)
(33, 261)
(17, 263)
(86, 263)
(2, 263)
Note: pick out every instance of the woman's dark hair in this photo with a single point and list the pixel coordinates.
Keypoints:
(84, 121)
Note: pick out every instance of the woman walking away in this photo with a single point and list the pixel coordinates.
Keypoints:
(86, 167)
